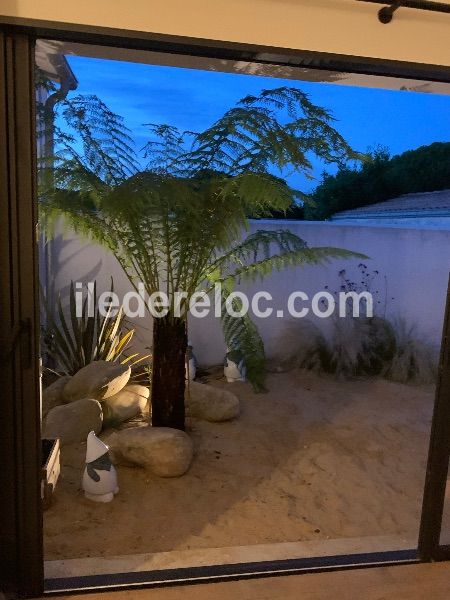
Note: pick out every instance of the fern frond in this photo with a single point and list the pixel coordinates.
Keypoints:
(245, 262)
(106, 142)
(279, 127)
(242, 335)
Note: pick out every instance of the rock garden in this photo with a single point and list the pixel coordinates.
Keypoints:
(311, 460)
(100, 398)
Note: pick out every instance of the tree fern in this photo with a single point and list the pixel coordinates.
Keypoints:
(178, 222)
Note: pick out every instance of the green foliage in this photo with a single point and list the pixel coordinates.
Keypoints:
(75, 341)
(92, 138)
(176, 225)
(414, 360)
(422, 170)
(313, 354)
(265, 251)
(278, 128)
(360, 346)
(242, 336)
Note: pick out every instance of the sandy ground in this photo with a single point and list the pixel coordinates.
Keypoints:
(314, 458)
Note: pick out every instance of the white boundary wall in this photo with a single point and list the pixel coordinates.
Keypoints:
(413, 266)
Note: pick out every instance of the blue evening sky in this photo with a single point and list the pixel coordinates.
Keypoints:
(192, 99)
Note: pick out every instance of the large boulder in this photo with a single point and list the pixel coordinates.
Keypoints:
(72, 422)
(210, 403)
(99, 379)
(53, 395)
(126, 404)
(163, 451)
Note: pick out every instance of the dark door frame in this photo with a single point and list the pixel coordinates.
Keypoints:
(21, 557)
(21, 566)
(433, 505)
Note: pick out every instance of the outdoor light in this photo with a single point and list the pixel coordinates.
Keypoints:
(385, 15)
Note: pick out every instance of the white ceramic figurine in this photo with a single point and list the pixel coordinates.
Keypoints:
(99, 477)
(234, 371)
(191, 363)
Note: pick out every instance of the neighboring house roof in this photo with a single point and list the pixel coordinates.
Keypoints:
(409, 206)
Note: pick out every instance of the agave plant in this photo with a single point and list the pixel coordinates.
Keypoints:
(75, 340)
(177, 225)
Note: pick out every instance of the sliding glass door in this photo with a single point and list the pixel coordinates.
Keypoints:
(21, 567)
(290, 436)
(317, 449)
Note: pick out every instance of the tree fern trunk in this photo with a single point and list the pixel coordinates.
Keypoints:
(168, 377)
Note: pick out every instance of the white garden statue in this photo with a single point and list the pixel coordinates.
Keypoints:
(99, 477)
(234, 370)
(191, 363)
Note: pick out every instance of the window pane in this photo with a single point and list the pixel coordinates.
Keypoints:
(299, 429)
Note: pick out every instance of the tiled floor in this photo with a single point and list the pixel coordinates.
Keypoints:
(408, 582)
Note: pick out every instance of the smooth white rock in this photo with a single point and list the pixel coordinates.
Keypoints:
(163, 451)
(73, 422)
(126, 404)
(211, 403)
(53, 395)
(99, 379)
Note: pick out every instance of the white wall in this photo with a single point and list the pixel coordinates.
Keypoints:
(337, 26)
(413, 267)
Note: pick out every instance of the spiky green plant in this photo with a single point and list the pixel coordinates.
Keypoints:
(78, 339)
(177, 225)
